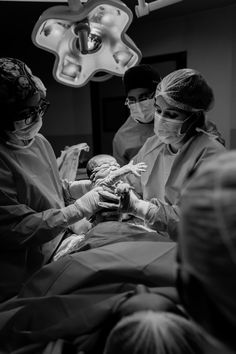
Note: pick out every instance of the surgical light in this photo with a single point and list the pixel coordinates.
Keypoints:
(89, 40)
(144, 8)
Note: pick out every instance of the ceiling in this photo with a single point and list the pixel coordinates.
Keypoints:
(180, 9)
(17, 19)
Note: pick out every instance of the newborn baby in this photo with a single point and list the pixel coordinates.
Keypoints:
(103, 170)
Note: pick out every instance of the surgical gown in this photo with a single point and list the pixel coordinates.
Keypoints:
(165, 177)
(31, 220)
(129, 139)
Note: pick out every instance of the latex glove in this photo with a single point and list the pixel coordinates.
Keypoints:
(111, 215)
(95, 200)
(131, 204)
(78, 188)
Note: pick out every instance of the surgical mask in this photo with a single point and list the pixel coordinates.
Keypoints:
(142, 111)
(168, 130)
(26, 132)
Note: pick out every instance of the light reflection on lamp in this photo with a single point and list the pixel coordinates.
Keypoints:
(70, 68)
(89, 41)
(123, 57)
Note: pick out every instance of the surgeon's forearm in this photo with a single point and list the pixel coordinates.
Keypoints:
(79, 188)
(35, 228)
(75, 190)
(163, 217)
(159, 216)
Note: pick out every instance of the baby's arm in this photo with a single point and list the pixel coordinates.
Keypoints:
(116, 175)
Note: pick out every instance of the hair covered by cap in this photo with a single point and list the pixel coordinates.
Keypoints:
(141, 76)
(151, 332)
(186, 89)
(207, 237)
(17, 83)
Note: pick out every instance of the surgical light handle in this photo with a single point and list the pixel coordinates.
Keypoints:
(144, 8)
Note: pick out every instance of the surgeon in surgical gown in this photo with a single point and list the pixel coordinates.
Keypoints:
(140, 83)
(181, 144)
(34, 218)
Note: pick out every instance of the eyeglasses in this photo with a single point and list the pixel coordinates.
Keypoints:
(144, 97)
(31, 113)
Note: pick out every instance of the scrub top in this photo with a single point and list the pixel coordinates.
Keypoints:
(129, 139)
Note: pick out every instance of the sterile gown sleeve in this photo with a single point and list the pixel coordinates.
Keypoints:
(163, 216)
(129, 139)
(23, 224)
(33, 216)
(73, 190)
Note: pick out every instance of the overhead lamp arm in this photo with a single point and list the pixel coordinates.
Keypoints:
(75, 5)
(81, 31)
(144, 8)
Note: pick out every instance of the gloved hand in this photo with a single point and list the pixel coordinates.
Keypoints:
(95, 200)
(130, 203)
(78, 188)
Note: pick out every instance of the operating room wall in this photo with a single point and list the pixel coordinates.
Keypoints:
(68, 121)
(209, 37)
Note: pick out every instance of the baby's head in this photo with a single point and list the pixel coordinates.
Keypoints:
(99, 166)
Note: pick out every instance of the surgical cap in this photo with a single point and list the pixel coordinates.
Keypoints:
(187, 90)
(17, 85)
(151, 332)
(141, 76)
(207, 247)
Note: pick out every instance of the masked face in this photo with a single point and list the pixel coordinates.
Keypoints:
(168, 130)
(141, 105)
(142, 111)
(29, 122)
(168, 122)
(27, 132)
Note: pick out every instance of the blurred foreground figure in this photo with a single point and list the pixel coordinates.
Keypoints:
(151, 332)
(207, 249)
